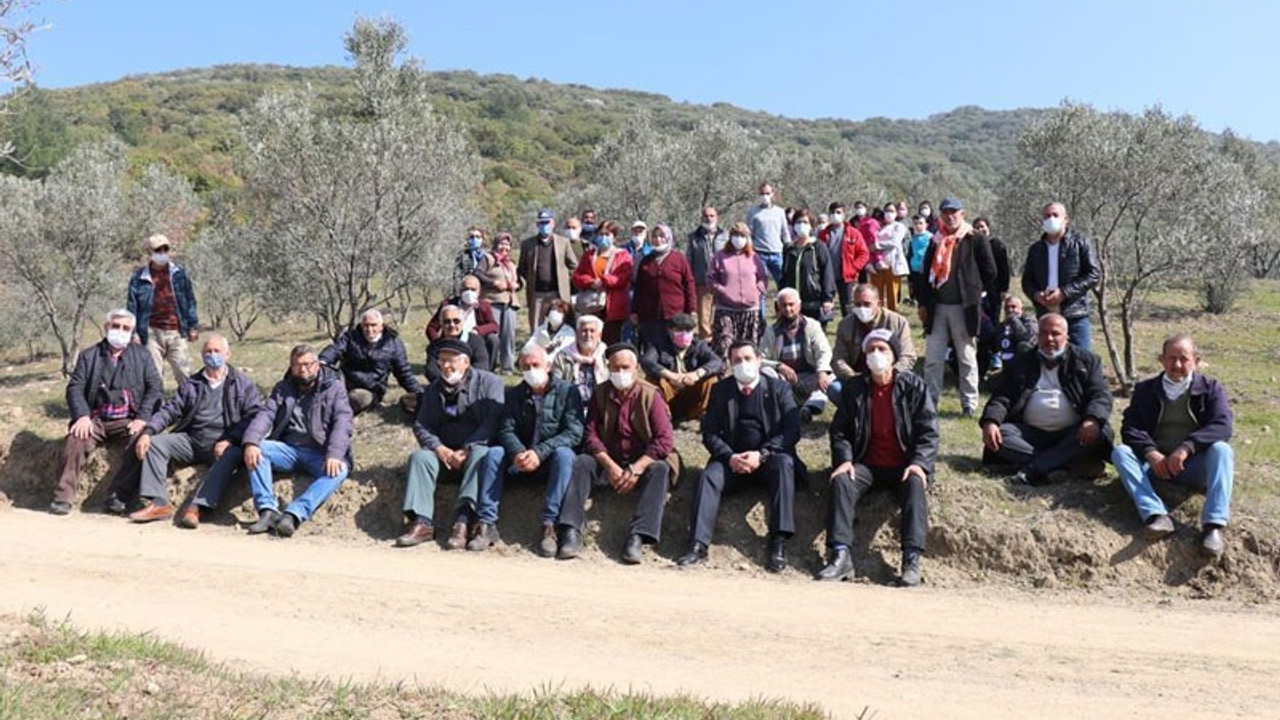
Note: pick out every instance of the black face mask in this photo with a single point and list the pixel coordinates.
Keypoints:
(303, 382)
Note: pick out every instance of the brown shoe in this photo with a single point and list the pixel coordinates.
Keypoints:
(190, 517)
(547, 546)
(457, 536)
(151, 512)
(419, 532)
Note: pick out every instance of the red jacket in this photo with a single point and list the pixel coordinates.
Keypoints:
(853, 255)
(663, 288)
(485, 321)
(617, 281)
(870, 228)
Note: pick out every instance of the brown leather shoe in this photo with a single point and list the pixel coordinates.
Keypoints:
(547, 546)
(151, 512)
(419, 532)
(189, 518)
(457, 536)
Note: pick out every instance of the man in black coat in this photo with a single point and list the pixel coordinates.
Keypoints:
(1050, 409)
(884, 435)
(684, 368)
(367, 356)
(1059, 272)
(750, 430)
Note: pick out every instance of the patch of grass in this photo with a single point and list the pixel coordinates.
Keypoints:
(59, 642)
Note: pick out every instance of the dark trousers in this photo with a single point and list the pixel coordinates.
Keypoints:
(845, 292)
(75, 452)
(777, 474)
(846, 491)
(650, 491)
(1041, 452)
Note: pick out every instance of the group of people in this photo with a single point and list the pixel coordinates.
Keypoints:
(630, 337)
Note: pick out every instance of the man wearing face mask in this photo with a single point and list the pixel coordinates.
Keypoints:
(451, 322)
(573, 230)
(750, 432)
(112, 392)
(1049, 414)
(684, 367)
(1176, 430)
(582, 364)
(1059, 272)
(796, 349)
(367, 355)
(770, 231)
(664, 287)
(160, 296)
(537, 440)
(209, 415)
(469, 260)
(546, 262)
(478, 318)
(455, 428)
(704, 242)
(627, 445)
(589, 227)
(868, 315)
(304, 427)
(884, 435)
(847, 258)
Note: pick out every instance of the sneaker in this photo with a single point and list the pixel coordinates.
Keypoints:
(266, 520)
(60, 507)
(910, 569)
(547, 545)
(485, 536)
(286, 525)
(1158, 527)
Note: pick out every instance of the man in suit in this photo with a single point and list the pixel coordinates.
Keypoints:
(750, 431)
(546, 263)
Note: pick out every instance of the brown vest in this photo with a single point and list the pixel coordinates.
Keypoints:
(607, 411)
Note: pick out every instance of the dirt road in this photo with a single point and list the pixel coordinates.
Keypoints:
(477, 622)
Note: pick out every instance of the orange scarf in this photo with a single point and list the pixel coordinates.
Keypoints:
(940, 271)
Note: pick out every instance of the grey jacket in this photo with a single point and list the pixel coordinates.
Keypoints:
(329, 419)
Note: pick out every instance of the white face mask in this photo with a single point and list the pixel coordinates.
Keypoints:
(879, 362)
(469, 297)
(864, 314)
(1053, 354)
(709, 225)
(637, 240)
(802, 229)
(1174, 389)
(373, 340)
(1052, 225)
(766, 200)
(452, 378)
(622, 380)
(739, 241)
(925, 212)
(555, 319)
(837, 219)
(159, 258)
(575, 233)
(118, 338)
(661, 246)
(860, 212)
(535, 377)
(890, 217)
(746, 372)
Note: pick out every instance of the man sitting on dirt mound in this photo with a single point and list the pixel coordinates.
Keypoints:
(1049, 413)
(209, 415)
(683, 367)
(367, 356)
(111, 394)
(1176, 429)
(305, 426)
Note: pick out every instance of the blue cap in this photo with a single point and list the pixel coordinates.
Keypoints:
(544, 215)
(951, 203)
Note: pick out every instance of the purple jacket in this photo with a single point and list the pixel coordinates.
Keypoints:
(1208, 405)
(330, 418)
(240, 403)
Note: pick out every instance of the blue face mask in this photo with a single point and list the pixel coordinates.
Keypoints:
(544, 229)
(213, 361)
(604, 242)
(475, 243)
(588, 228)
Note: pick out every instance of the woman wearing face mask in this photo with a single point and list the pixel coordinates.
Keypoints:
(603, 282)
(500, 284)
(556, 331)
(664, 288)
(806, 266)
(892, 266)
(738, 280)
(469, 258)
(925, 210)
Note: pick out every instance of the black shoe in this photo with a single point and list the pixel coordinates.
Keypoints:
(266, 520)
(696, 555)
(1028, 478)
(967, 413)
(486, 535)
(1212, 544)
(633, 551)
(114, 505)
(777, 554)
(910, 569)
(286, 525)
(1158, 527)
(839, 566)
(806, 414)
(570, 543)
(60, 507)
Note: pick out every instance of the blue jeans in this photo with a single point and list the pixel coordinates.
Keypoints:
(772, 263)
(555, 470)
(287, 458)
(1080, 332)
(1212, 471)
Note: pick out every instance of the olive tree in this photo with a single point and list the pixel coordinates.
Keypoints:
(15, 67)
(359, 203)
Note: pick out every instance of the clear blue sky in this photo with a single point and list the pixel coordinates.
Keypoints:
(849, 58)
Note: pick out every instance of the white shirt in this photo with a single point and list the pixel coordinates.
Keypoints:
(1047, 408)
(1052, 249)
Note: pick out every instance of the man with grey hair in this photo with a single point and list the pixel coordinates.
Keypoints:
(161, 297)
(796, 349)
(367, 356)
(1059, 272)
(582, 364)
(112, 393)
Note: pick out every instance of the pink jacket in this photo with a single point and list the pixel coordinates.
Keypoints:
(737, 280)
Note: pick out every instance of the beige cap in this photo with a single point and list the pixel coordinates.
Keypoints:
(155, 242)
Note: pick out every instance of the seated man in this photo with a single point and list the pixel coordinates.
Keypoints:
(451, 319)
(455, 427)
(537, 440)
(1176, 429)
(366, 356)
(1050, 409)
(112, 393)
(209, 415)
(683, 367)
(867, 315)
(795, 348)
(884, 434)
(304, 427)
(582, 364)
(477, 318)
(628, 445)
(750, 431)
(1016, 334)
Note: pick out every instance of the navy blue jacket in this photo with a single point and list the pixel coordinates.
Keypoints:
(781, 417)
(1208, 405)
(142, 293)
(478, 412)
(367, 366)
(240, 403)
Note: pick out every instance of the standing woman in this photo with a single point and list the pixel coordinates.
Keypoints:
(806, 266)
(738, 280)
(500, 284)
(664, 288)
(603, 282)
(887, 276)
(468, 260)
